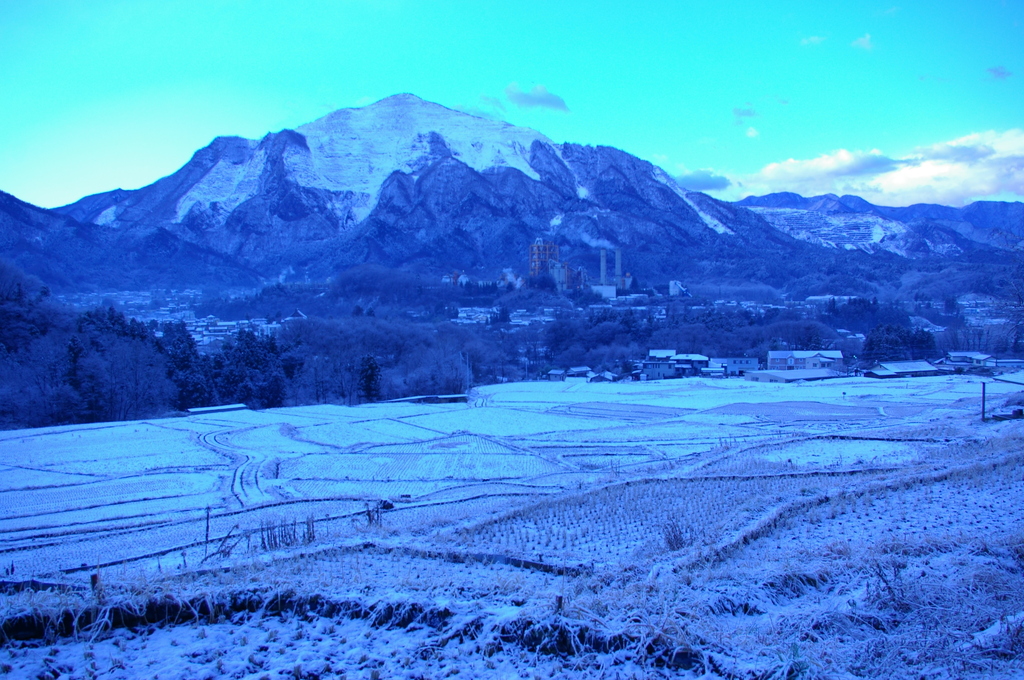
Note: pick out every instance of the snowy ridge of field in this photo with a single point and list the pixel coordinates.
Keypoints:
(717, 527)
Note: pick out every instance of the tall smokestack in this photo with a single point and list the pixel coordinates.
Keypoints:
(618, 268)
(604, 266)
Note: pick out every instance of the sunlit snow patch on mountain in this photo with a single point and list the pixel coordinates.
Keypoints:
(356, 149)
(229, 183)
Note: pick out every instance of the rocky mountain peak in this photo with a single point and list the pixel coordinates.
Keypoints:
(405, 182)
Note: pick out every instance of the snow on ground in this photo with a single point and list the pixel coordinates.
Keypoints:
(833, 529)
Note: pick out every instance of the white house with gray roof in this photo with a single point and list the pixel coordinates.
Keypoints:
(796, 360)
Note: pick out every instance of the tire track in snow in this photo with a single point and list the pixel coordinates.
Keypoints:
(245, 477)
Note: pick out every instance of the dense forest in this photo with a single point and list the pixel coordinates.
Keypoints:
(377, 334)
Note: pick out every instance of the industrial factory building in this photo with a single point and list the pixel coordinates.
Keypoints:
(544, 259)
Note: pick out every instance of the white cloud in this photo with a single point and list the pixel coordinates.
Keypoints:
(752, 132)
(478, 111)
(704, 179)
(864, 42)
(492, 102)
(826, 168)
(812, 40)
(538, 96)
(739, 114)
(489, 107)
(999, 72)
(956, 172)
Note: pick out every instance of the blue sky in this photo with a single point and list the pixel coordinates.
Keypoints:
(900, 102)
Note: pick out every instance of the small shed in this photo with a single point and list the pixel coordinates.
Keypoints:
(792, 376)
(224, 408)
(902, 369)
(736, 365)
(714, 370)
(431, 399)
(966, 358)
(579, 372)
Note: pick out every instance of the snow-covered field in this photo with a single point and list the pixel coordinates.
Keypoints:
(848, 528)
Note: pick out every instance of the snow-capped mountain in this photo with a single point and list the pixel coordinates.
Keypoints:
(348, 153)
(408, 183)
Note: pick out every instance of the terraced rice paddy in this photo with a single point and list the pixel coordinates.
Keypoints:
(678, 502)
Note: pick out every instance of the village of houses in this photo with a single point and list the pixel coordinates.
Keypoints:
(779, 366)
(787, 366)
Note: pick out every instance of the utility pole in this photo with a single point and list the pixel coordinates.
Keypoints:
(983, 401)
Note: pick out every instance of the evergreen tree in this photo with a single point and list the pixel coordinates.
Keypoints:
(369, 378)
(251, 371)
(187, 369)
(888, 342)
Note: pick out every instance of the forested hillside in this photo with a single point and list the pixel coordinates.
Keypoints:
(377, 336)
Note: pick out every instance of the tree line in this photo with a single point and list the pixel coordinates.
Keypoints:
(59, 366)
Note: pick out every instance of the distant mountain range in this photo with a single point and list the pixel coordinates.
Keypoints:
(412, 184)
(913, 231)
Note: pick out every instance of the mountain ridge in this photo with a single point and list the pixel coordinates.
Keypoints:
(412, 184)
(74, 255)
(318, 184)
(998, 223)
